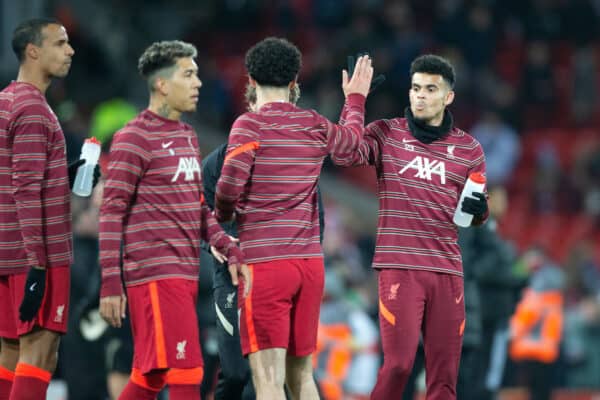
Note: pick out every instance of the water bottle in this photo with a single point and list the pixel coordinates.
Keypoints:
(85, 173)
(475, 183)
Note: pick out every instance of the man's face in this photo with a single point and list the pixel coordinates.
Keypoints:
(55, 52)
(183, 86)
(429, 95)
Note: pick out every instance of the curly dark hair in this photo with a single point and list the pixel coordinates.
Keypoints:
(163, 55)
(29, 31)
(434, 65)
(273, 62)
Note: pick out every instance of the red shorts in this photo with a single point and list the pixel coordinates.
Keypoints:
(53, 314)
(164, 325)
(282, 308)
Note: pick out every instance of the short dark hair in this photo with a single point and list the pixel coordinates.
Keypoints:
(434, 65)
(163, 55)
(273, 62)
(29, 31)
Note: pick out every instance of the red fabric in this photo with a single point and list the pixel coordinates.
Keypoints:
(6, 380)
(54, 312)
(419, 186)
(152, 203)
(412, 301)
(184, 392)
(136, 392)
(270, 173)
(164, 325)
(34, 186)
(5, 387)
(28, 388)
(282, 308)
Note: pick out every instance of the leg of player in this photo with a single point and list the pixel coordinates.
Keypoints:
(401, 308)
(37, 361)
(144, 386)
(299, 378)
(268, 373)
(9, 355)
(442, 336)
(184, 383)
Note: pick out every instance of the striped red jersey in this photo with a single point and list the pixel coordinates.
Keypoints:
(419, 186)
(270, 174)
(35, 214)
(153, 204)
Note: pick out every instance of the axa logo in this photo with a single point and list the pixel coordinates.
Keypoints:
(187, 166)
(181, 350)
(426, 168)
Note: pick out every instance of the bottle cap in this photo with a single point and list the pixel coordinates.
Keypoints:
(93, 140)
(477, 177)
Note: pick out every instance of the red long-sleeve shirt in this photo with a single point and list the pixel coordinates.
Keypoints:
(153, 204)
(35, 214)
(270, 174)
(419, 186)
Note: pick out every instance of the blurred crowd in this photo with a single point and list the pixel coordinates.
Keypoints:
(527, 89)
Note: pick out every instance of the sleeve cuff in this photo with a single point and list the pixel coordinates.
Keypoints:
(356, 100)
(111, 287)
(235, 255)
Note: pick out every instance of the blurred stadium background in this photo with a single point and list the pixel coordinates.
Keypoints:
(528, 83)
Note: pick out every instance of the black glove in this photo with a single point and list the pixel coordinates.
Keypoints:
(375, 82)
(34, 294)
(74, 166)
(476, 207)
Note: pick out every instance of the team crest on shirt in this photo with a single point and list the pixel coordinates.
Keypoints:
(60, 310)
(426, 168)
(394, 291)
(230, 298)
(181, 350)
(188, 166)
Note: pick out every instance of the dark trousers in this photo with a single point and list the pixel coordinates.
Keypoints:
(234, 380)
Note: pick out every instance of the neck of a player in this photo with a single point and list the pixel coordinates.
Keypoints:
(32, 75)
(270, 94)
(159, 105)
(437, 120)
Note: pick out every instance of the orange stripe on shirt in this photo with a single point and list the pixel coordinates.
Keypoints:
(242, 149)
(387, 314)
(161, 352)
(187, 376)
(32, 372)
(461, 329)
(249, 320)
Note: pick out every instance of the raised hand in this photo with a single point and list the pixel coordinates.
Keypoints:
(360, 80)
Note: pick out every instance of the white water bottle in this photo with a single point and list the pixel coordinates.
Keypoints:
(475, 183)
(85, 173)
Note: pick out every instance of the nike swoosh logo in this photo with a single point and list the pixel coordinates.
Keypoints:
(405, 140)
(32, 287)
(458, 299)
(166, 145)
